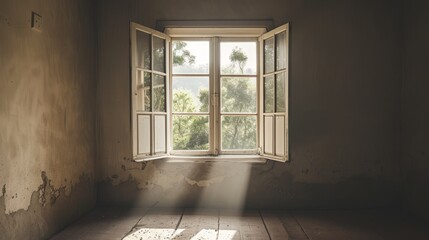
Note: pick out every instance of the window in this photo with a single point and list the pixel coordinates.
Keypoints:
(210, 93)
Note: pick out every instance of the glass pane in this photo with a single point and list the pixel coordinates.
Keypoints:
(143, 91)
(191, 132)
(238, 132)
(238, 58)
(281, 51)
(158, 93)
(191, 57)
(191, 94)
(269, 94)
(268, 134)
(280, 136)
(280, 92)
(143, 138)
(238, 95)
(158, 54)
(143, 49)
(269, 55)
(160, 134)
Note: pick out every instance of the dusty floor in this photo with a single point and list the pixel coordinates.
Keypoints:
(146, 224)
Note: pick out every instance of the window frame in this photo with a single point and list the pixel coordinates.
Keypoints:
(152, 154)
(215, 112)
(274, 114)
(214, 151)
(210, 113)
(218, 83)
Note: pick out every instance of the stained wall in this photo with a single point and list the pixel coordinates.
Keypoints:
(47, 116)
(345, 79)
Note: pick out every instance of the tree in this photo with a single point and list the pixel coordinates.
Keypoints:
(181, 55)
(182, 102)
(238, 96)
(237, 56)
(189, 132)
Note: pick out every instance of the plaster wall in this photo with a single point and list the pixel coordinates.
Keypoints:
(47, 116)
(345, 79)
(415, 97)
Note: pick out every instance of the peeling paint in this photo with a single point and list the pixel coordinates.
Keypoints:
(41, 220)
(38, 133)
(46, 189)
(153, 176)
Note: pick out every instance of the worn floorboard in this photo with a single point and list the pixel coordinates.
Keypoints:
(198, 224)
(358, 225)
(274, 225)
(292, 227)
(184, 224)
(243, 226)
(104, 223)
(156, 224)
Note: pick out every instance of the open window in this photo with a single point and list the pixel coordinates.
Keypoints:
(149, 91)
(209, 92)
(274, 90)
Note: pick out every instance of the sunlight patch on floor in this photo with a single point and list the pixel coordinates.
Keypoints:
(153, 234)
(168, 233)
(227, 235)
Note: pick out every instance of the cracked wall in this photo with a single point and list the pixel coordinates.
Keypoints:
(345, 79)
(47, 113)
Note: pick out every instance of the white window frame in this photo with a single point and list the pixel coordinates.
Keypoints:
(211, 92)
(153, 153)
(216, 35)
(215, 138)
(274, 155)
(218, 83)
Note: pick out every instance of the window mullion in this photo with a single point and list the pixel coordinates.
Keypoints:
(152, 116)
(215, 113)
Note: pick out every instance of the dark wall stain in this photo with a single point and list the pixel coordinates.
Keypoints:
(47, 191)
(356, 192)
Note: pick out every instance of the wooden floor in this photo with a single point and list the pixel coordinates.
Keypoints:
(178, 224)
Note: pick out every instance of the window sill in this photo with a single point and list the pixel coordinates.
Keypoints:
(210, 159)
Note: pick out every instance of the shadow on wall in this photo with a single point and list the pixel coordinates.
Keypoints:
(162, 184)
(238, 186)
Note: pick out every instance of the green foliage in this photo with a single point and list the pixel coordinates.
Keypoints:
(238, 95)
(237, 56)
(204, 100)
(189, 132)
(181, 55)
(239, 132)
(269, 94)
(182, 101)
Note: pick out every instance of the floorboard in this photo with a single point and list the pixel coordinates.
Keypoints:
(105, 223)
(245, 226)
(274, 225)
(185, 224)
(156, 224)
(198, 224)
